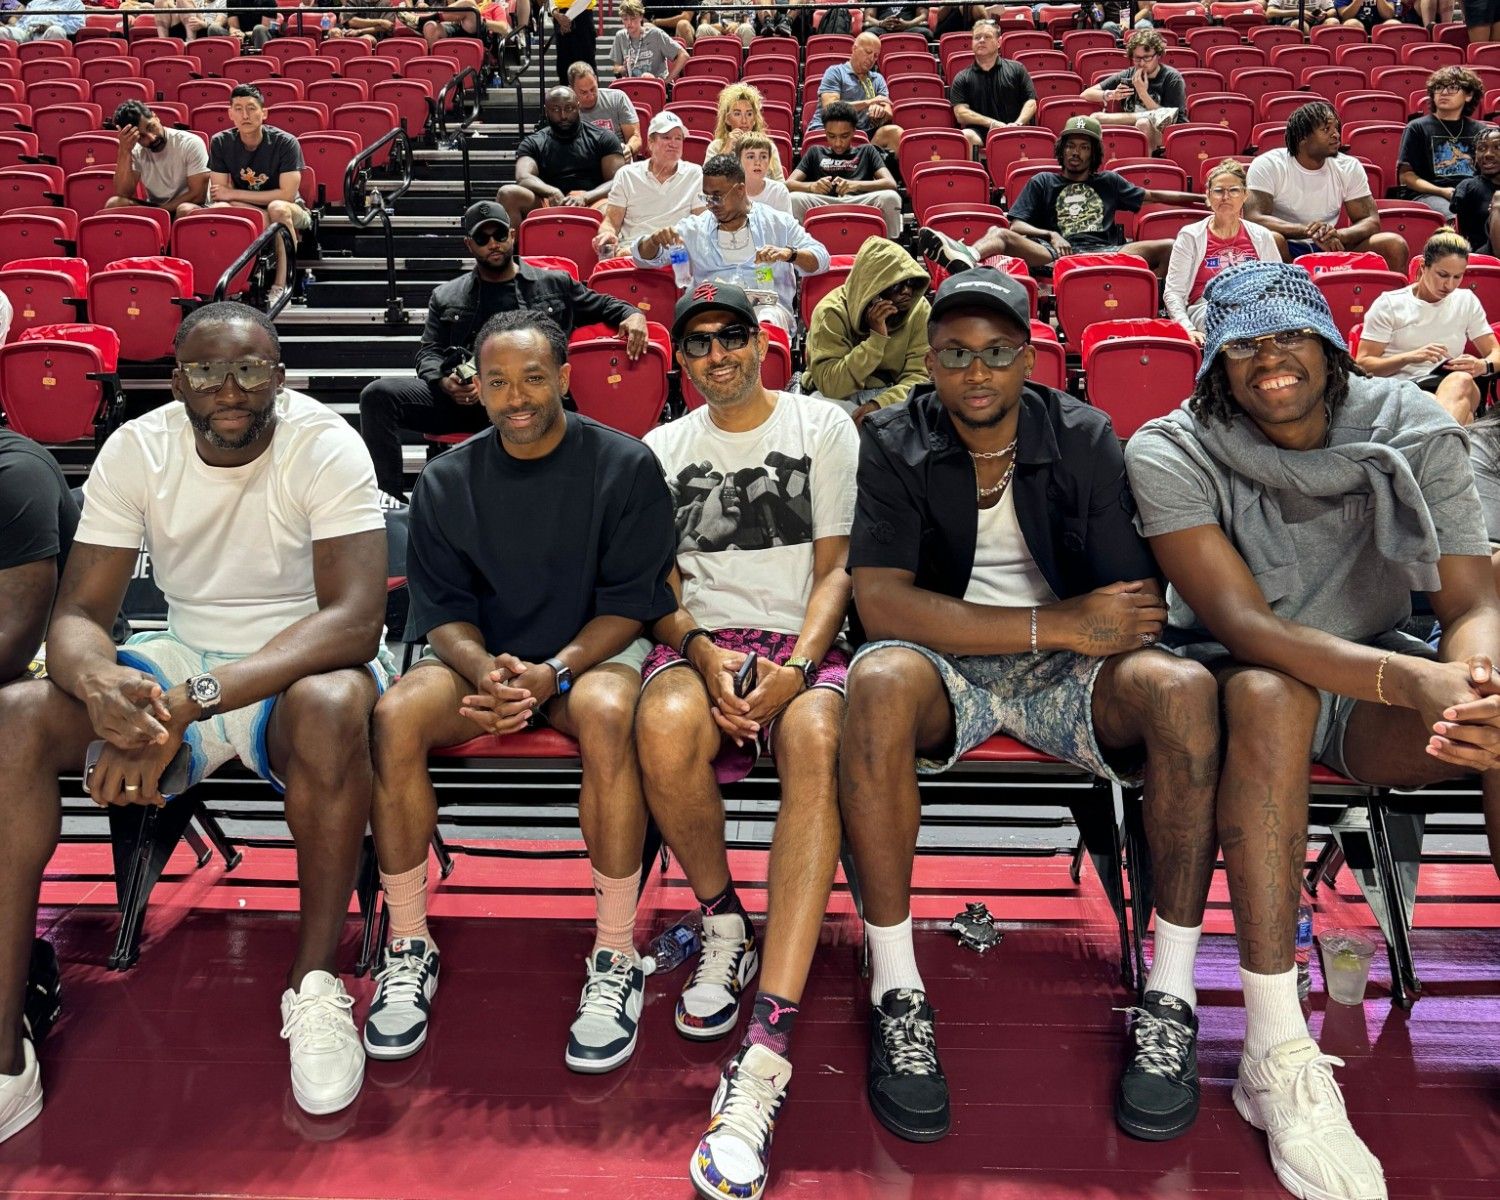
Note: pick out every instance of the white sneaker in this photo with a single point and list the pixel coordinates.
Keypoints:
(609, 1011)
(21, 1095)
(273, 294)
(328, 1062)
(1291, 1094)
(734, 1156)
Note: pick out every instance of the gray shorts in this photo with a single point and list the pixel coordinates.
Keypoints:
(1044, 700)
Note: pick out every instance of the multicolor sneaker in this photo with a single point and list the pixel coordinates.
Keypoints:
(733, 1159)
(396, 1025)
(328, 1062)
(1291, 1094)
(1158, 1096)
(21, 1095)
(710, 1004)
(609, 1011)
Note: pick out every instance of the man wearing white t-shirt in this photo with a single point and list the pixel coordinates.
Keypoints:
(1303, 191)
(259, 509)
(651, 195)
(763, 492)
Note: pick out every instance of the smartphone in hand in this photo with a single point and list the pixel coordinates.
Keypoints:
(744, 678)
(174, 778)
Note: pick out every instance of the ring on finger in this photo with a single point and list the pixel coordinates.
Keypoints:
(1148, 639)
(132, 787)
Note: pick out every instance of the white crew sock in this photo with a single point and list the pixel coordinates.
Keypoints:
(893, 959)
(1174, 949)
(1273, 1011)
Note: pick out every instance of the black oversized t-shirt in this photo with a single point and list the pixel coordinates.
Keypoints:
(999, 93)
(1082, 211)
(257, 170)
(1166, 87)
(1441, 152)
(531, 550)
(1471, 209)
(570, 164)
(38, 515)
(858, 164)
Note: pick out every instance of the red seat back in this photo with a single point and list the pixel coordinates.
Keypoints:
(607, 386)
(137, 298)
(650, 289)
(371, 121)
(87, 192)
(328, 154)
(1101, 287)
(567, 232)
(31, 235)
(844, 228)
(1136, 370)
(45, 385)
(211, 239)
(109, 236)
(1351, 292)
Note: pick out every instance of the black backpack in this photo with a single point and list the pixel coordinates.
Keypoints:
(836, 20)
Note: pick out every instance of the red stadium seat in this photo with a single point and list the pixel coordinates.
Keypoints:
(1350, 293)
(1190, 146)
(29, 187)
(1296, 57)
(55, 123)
(644, 89)
(1256, 82)
(39, 70)
(931, 145)
(844, 228)
(341, 50)
(402, 49)
(373, 69)
(947, 183)
(1227, 58)
(329, 154)
(281, 91)
(43, 291)
(1002, 147)
(211, 239)
(1232, 112)
(815, 287)
(1124, 141)
(109, 96)
(1135, 370)
(650, 289)
(141, 300)
(1101, 287)
(1325, 83)
(312, 68)
(122, 233)
(102, 68)
(698, 91)
(412, 100)
(568, 232)
(1210, 38)
(1340, 260)
(1414, 222)
(1154, 224)
(1381, 107)
(299, 119)
(371, 121)
(699, 118)
(81, 151)
(284, 47)
(169, 71)
(32, 235)
(924, 114)
(931, 87)
(1380, 144)
(1400, 80)
(336, 93)
(1403, 35)
(1051, 369)
(58, 91)
(147, 48)
(252, 69)
(719, 44)
(86, 192)
(607, 386)
(87, 52)
(204, 93)
(1366, 56)
(898, 66)
(57, 383)
(1041, 62)
(1431, 55)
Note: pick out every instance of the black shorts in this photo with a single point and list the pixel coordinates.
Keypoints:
(1481, 12)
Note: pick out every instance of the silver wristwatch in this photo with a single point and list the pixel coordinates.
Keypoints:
(203, 690)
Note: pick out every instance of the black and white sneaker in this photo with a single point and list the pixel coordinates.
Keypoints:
(396, 1025)
(609, 1011)
(908, 1090)
(1158, 1096)
(948, 252)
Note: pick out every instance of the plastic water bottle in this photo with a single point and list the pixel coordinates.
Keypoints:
(680, 269)
(1304, 949)
(673, 947)
(327, 21)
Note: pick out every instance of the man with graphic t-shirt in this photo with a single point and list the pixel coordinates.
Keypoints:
(843, 173)
(607, 108)
(1437, 150)
(564, 164)
(1474, 197)
(763, 487)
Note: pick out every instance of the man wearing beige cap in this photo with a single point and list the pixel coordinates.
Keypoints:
(653, 194)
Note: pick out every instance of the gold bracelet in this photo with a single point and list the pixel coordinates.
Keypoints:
(1380, 678)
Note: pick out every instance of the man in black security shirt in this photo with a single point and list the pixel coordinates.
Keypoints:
(994, 92)
(539, 552)
(439, 400)
(37, 518)
(843, 173)
(1474, 196)
(566, 163)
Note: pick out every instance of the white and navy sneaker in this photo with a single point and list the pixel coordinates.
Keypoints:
(609, 1010)
(734, 1157)
(328, 1063)
(396, 1026)
(710, 1004)
(21, 1095)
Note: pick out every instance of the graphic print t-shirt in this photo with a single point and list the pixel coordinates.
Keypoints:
(257, 170)
(1078, 210)
(1219, 255)
(858, 164)
(748, 507)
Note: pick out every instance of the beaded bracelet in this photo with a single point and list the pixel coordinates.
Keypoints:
(1380, 678)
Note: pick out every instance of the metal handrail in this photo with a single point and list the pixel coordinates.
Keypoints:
(359, 189)
(253, 251)
(468, 74)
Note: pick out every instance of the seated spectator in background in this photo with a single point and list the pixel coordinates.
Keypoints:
(840, 172)
(606, 108)
(763, 493)
(724, 22)
(1484, 457)
(467, 18)
(1294, 506)
(57, 20)
(1148, 94)
(755, 156)
(1303, 189)
(739, 114)
(863, 88)
(1223, 240)
(209, 20)
(958, 18)
(650, 195)
(867, 342)
(525, 622)
(369, 29)
(641, 49)
(994, 92)
(170, 164)
(258, 167)
(564, 164)
(1071, 211)
(444, 396)
(1437, 150)
(1474, 198)
(1318, 12)
(897, 18)
(772, 22)
(1035, 618)
(1366, 14)
(1418, 332)
(749, 245)
(267, 538)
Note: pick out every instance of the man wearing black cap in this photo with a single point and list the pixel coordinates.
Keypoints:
(1004, 589)
(763, 487)
(444, 396)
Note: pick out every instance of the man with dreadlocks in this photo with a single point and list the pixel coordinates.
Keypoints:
(1294, 504)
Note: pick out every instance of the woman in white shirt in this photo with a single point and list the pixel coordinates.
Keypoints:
(756, 155)
(1203, 249)
(1418, 332)
(739, 114)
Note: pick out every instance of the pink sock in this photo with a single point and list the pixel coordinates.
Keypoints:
(406, 902)
(614, 900)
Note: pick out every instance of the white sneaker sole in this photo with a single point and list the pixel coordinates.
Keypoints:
(706, 1189)
(1245, 1105)
(748, 966)
(22, 1119)
(393, 1053)
(321, 1106)
(602, 1066)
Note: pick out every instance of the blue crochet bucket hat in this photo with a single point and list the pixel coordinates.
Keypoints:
(1254, 299)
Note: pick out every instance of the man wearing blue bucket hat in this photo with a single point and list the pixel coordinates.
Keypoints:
(1294, 504)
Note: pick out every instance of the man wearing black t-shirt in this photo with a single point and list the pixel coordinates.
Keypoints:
(843, 173)
(444, 397)
(1473, 198)
(567, 163)
(993, 93)
(1437, 150)
(540, 550)
(37, 518)
(258, 167)
(1148, 94)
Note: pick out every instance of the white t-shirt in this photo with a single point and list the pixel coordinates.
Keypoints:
(1404, 323)
(650, 205)
(750, 505)
(232, 546)
(165, 172)
(1005, 575)
(1304, 196)
(775, 195)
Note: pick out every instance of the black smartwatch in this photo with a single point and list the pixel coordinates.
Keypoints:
(203, 690)
(564, 675)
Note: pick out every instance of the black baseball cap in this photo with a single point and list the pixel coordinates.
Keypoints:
(987, 288)
(713, 297)
(484, 213)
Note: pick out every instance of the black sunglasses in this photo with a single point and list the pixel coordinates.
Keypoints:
(899, 288)
(731, 337)
(482, 237)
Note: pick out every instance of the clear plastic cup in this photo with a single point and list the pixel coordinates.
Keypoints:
(1346, 955)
